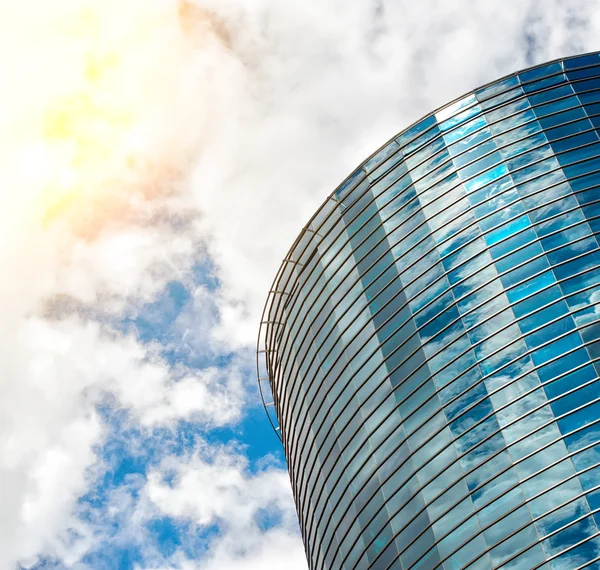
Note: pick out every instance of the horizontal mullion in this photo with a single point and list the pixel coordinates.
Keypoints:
(481, 380)
(524, 263)
(457, 459)
(587, 564)
(532, 521)
(472, 224)
(478, 102)
(562, 552)
(443, 275)
(456, 397)
(455, 268)
(433, 300)
(521, 396)
(517, 462)
(496, 411)
(433, 185)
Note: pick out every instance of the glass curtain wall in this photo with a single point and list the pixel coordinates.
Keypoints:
(432, 340)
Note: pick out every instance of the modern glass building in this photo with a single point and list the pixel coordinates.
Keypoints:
(431, 342)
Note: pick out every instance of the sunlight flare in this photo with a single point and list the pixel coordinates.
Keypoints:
(89, 90)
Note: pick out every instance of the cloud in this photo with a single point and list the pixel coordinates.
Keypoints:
(324, 85)
(219, 512)
(94, 146)
(255, 512)
(51, 428)
(138, 138)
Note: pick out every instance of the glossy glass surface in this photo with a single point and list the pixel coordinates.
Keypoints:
(432, 340)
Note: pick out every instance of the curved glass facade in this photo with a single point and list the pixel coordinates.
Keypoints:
(432, 340)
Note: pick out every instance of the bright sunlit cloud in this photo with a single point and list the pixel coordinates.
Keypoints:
(86, 104)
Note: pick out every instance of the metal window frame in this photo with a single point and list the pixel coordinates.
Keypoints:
(467, 329)
(559, 248)
(474, 223)
(481, 421)
(464, 261)
(269, 305)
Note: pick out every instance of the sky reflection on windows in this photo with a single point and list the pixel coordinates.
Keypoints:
(436, 378)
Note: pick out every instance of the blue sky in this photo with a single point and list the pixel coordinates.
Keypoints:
(158, 157)
(128, 453)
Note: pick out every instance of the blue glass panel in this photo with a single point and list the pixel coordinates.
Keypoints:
(581, 264)
(427, 158)
(574, 75)
(373, 162)
(541, 281)
(568, 129)
(586, 181)
(580, 418)
(540, 319)
(466, 420)
(589, 91)
(581, 61)
(541, 71)
(356, 177)
(476, 254)
(489, 183)
(482, 148)
(592, 110)
(468, 135)
(493, 186)
(418, 134)
(572, 115)
(577, 247)
(442, 328)
(548, 331)
(459, 393)
(517, 249)
(457, 112)
(553, 349)
(522, 145)
(510, 115)
(595, 226)
(480, 165)
(580, 397)
(583, 167)
(507, 230)
(393, 198)
(530, 304)
(547, 95)
(575, 141)
(548, 176)
(592, 210)
(534, 157)
(508, 85)
(547, 114)
(578, 154)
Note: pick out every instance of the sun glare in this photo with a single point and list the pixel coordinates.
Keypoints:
(87, 85)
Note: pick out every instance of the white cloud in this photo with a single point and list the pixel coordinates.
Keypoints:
(272, 549)
(214, 487)
(322, 85)
(94, 143)
(136, 136)
(59, 372)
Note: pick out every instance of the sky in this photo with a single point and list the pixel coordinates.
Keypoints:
(157, 159)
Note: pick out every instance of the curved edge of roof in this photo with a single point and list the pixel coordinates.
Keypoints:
(266, 396)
